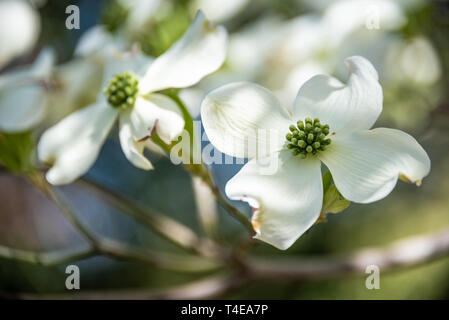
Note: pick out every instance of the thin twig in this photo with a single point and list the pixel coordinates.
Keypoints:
(47, 259)
(177, 233)
(205, 175)
(39, 182)
(206, 288)
(113, 249)
(108, 247)
(200, 170)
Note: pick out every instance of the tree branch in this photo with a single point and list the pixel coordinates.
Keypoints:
(405, 253)
(177, 233)
(110, 247)
(206, 288)
(202, 172)
(46, 258)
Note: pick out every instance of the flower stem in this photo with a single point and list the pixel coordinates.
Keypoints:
(205, 175)
(199, 169)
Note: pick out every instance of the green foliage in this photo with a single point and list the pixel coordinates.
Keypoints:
(161, 34)
(17, 151)
(114, 15)
(333, 201)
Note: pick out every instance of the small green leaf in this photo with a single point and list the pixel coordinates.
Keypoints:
(333, 201)
(17, 151)
(327, 181)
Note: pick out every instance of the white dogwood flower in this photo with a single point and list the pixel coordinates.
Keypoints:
(19, 29)
(23, 95)
(329, 123)
(73, 144)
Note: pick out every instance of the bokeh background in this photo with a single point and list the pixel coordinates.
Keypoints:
(279, 44)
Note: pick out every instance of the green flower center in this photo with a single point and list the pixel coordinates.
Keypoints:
(307, 137)
(122, 90)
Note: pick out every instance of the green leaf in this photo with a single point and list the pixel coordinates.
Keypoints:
(333, 201)
(327, 181)
(17, 151)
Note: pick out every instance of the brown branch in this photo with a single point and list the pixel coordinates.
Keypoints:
(109, 247)
(47, 259)
(206, 288)
(116, 250)
(405, 253)
(172, 230)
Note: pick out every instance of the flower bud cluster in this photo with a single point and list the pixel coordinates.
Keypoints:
(308, 137)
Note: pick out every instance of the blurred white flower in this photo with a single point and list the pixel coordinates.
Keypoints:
(141, 12)
(419, 61)
(23, 94)
(220, 11)
(19, 29)
(345, 16)
(339, 29)
(73, 144)
(250, 49)
(76, 84)
(365, 164)
(97, 41)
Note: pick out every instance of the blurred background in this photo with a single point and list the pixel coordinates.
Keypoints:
(278, 44)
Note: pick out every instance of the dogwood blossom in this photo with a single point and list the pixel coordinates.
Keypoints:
(329, 123)
(72, 145)
(19, 29)
(23, 94)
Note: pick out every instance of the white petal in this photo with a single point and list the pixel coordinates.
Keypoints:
(98, 40)
(141, 13)
(287, 202)
(239, 114)
(221, 10)
(131, 61)
(344, 107)
(19, 29)
(154, 113)
(199, 52)
(44, 63)
(131, 146)
(73, 144)
(366, 165)
(192, 98)
(348, 15)
(160, 112)
(23, 96)
(21, 108)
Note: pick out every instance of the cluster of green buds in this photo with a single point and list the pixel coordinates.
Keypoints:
(308, 137)
(122, 90)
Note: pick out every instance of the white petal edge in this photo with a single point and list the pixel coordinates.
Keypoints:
(366, 165)
(160, 113)
(239, 115)
(286, 202)
(344, 107)
(20, 26)
(73, 144)
(131, 146)
(97, 40)
(23, 96)
(22, 108)
(199, 52)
